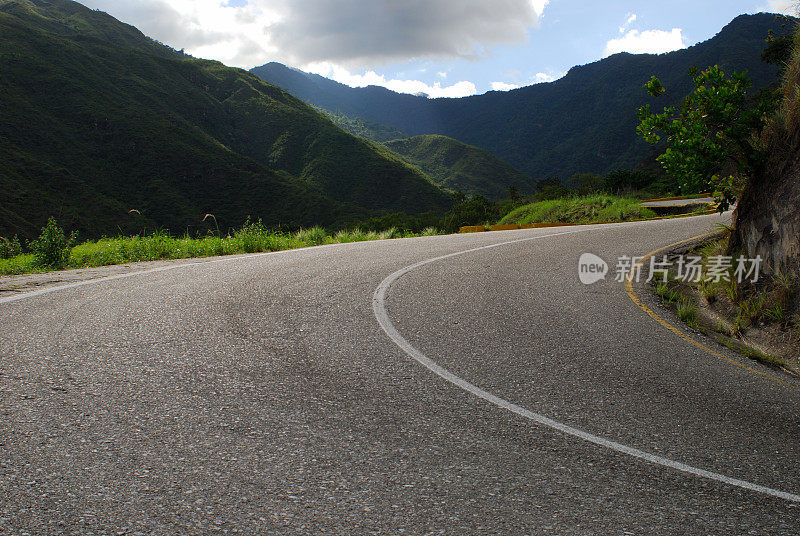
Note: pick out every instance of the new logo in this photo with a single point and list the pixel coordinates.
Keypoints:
(591, 268)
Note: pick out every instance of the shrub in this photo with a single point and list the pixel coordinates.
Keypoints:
(313, 236)
(10, 247)
(52, 248)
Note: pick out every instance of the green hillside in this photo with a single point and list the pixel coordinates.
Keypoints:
(461, 167)
(362, 128)
(98, 119)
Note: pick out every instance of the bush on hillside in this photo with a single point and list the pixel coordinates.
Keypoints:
(10, 247)
(52, 248)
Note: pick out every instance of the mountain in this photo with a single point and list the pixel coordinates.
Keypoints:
(461, 167)
(364, 129)
(97, 119)
(584, 122)
(451, 165)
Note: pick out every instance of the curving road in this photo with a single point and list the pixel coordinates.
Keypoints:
(368, 389)
(677, 202)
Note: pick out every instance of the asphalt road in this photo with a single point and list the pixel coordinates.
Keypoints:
(261, 395)
(678, 202)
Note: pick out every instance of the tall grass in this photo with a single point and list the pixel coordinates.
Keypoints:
(586, 209)
(781, 135)
(251, 238)
(19, 264)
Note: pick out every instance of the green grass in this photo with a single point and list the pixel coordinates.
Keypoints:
(687, 312)
(19, 264)
(251, 238)
(587, 209)
(756, 355)
(667, 294)
(775, 313)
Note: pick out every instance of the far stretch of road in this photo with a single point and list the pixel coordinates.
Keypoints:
(678, 202)
(465, 384)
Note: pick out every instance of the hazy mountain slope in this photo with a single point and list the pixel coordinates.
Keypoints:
(582, 122)
(95, 123)
(458, 166)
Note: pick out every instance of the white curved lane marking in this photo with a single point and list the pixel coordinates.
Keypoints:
(379, 308)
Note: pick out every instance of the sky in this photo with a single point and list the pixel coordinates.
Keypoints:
(442, 48)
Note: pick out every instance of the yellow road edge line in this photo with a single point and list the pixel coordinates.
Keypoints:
(680, 333)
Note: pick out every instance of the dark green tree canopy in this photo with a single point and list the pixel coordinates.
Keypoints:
(710, 133)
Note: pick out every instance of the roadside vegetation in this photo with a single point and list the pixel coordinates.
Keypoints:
(584, 209)
(743, 145)
(761, 318)
(54, 251)
(583, 198)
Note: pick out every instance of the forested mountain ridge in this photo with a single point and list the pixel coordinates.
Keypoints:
(461, 167)
(99, 120)
(449, 163)
(362, 128)
(583, 122)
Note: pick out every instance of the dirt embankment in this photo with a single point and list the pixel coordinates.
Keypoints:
(767, 221)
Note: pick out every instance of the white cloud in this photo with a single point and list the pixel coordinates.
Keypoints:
(233, 34)
(538, 7)
(631, 18)
(538, 78)
(541, 78)
(371, 78)
(356, 33)
(787, 7)
(442, 74)
(359, 33)
(647, 42)
(503, 86)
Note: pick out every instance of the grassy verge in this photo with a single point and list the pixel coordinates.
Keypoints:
(759, 319)
(577, 210)
(252, 238)
(19, 264)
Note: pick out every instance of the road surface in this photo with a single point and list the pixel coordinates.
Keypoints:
(678, 202)
(289, 393)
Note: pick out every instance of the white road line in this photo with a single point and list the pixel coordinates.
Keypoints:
(379, 308)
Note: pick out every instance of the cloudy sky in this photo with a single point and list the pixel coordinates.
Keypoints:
(445, 48)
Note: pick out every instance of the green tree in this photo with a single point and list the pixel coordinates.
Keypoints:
(10, 247)
(709, 135)
(476, 210)
(52, 248)
(627, 181)
(541, 184)
(586, 183)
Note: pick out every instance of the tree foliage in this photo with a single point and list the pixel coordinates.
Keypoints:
(52, 248)
(709, 135)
